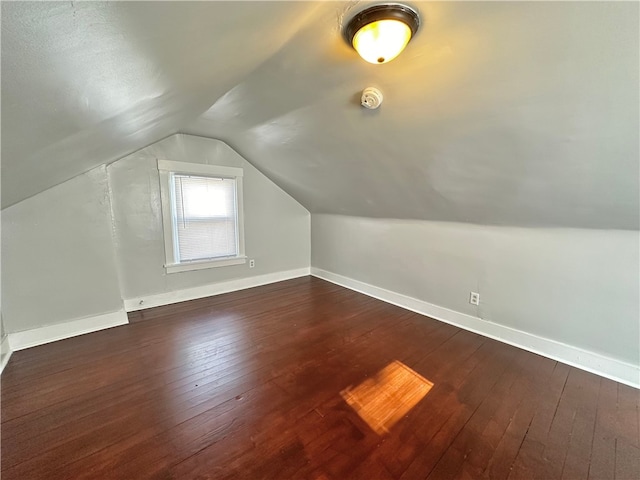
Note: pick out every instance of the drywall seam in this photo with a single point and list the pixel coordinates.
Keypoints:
(590, 361)
(5, 352)
(140, 303)
(60, 331)
(112, 230)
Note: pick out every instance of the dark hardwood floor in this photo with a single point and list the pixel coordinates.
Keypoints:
(248, 385)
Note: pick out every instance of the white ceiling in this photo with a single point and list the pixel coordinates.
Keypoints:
(84, 83)
(511, 113)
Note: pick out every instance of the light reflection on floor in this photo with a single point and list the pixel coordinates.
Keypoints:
(383, 400)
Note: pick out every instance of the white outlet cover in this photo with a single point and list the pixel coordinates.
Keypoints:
(474, 298)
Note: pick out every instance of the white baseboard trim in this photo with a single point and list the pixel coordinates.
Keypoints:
(149, 301)
(5, 353)
(60, 331)
(576, 357)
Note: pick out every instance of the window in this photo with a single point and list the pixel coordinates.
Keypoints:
(201, 215)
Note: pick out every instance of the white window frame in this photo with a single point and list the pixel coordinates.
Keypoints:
(165, 169)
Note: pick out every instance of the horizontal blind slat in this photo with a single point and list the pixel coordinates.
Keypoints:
(206, 217)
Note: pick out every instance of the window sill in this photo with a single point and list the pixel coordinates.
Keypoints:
(199, 265)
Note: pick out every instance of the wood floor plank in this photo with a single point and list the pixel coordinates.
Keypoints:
(578, 457)
(559, 437)
(520, 393)
(603, 449)
(490, 363)
(300, 369)
(148, 373)
(627, 460)
(45, 357)
(627, 417)
(247, 385)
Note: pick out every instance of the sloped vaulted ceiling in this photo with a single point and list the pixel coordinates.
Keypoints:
(84, 83)
(508, 113)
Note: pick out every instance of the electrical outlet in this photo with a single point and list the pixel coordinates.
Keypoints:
(252, 263)
(474, 298)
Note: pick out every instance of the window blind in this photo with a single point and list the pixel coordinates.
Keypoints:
(205, 217)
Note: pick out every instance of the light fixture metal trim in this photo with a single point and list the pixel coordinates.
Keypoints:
(379, 13)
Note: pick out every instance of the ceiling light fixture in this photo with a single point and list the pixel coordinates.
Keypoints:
(379, 33)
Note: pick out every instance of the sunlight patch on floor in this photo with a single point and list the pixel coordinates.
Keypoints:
(383, 400)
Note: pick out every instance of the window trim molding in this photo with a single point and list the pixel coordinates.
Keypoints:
(201, 264)
(168, 167)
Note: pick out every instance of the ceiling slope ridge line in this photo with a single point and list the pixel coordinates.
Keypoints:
(480, 225)
(104, 164)
(257, 68)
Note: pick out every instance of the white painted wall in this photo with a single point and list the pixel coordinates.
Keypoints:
(58, 260)
(276, 226)
(79, 249)
(578, 287)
